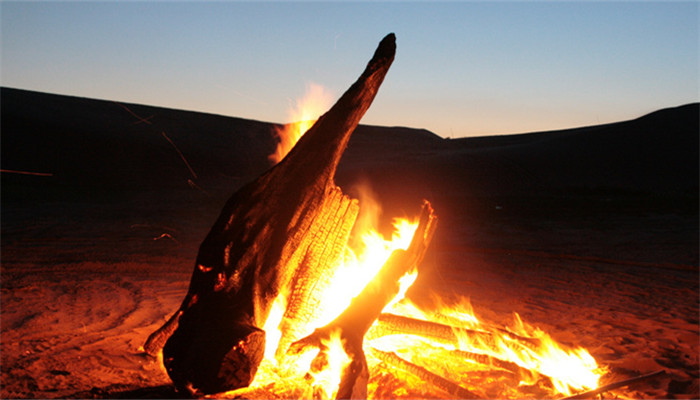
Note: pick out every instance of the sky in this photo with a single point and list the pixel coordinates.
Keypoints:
(461, 68)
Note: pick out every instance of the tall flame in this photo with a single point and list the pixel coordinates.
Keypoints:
(360, 265)
(304, 112)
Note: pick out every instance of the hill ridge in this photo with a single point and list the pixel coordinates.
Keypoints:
(92, 143)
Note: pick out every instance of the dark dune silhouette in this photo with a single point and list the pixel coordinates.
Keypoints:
(590, 233)
(115, 153)
(85, 142)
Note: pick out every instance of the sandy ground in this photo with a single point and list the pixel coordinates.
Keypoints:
(83, 287)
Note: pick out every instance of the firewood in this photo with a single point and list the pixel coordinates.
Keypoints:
(364, 309)
(259, 244)
(615, 385)
(389, 324)
(486, 359)
(438, 381)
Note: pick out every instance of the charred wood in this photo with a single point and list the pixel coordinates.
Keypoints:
(485, 359)
(438, 381)
(364, 309)
(262, 245)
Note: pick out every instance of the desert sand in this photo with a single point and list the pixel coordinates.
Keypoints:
(590, 234)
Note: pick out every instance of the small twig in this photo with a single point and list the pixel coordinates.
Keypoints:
(12, 171)
(140, 119)
(166, 236)
(614, 385)
(445, 384)
(147, 121)
(150, 226)
(144, 120)
(181, 155)
(196, 186)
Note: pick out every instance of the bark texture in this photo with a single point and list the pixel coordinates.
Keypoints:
(353, 323)
(270, 238)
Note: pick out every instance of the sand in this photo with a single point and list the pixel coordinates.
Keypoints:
(73, 327)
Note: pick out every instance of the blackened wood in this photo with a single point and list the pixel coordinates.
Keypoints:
(257, 245)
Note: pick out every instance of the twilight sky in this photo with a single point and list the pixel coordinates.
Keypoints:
(461, 69)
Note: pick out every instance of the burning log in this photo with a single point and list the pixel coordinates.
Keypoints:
(389, 324)
(276, 250)
(355, 321)
(485, 359)
(264, 244)
(447, 385)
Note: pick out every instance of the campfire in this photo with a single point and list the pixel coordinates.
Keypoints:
(295, 295)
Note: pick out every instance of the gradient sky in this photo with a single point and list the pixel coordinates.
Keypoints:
(461, 69)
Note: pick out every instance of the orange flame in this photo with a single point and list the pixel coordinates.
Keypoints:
(305, 112)
(360, 266)
(524, 345)
(521, 345)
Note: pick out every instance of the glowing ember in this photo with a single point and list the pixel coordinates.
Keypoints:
(305, 112)
(341, 325)
(466, 355)
(523, 349)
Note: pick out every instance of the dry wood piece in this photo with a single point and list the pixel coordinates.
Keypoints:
(615, 385)
(493, 361)
(364, 309)
(447, 385)
(389, 324)
(262, 245)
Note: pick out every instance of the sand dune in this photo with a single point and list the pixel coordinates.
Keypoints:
(589, 233)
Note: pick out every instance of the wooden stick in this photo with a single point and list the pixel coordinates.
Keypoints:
(397, 324)
(259, 242)
(13, 171)
(140, 119)
(614, 385)
(438, 381)
(182, 156)
(390, 324)
(496, 362)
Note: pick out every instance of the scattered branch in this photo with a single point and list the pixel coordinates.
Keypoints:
(147, 121)
(181, 155)
(195, 186)
(615, 385)
(138, 117)
(150, 226)
(12, 171)
(166, 236)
